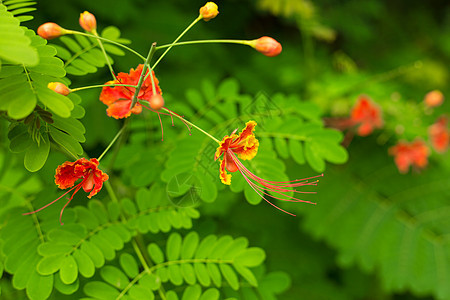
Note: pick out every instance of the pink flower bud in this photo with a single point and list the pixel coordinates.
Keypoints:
(59, 87)
(156, 101)
(267, 46)
(209, 11)
(50, 31)
(434, 98)
(88, 21)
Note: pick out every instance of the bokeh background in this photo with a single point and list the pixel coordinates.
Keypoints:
(375, 233)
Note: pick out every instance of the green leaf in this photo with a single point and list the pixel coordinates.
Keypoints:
(129, 265)
(59, 104)
(114, 277)
(210, 294)
(69, 270)
(188, 273)
(39, 286)
(36, 155)
(100, 290)
(189, 246)
(202, 274)
(67, 142)
(205, 246)
(192, 292)
(14, 45)
(230, 276)
(94, 253)
(173, 247)
(247, 274)
(250, 257)
(314, 159)
(215, 274)
(85, 264)
(175, 275)
(155, 253)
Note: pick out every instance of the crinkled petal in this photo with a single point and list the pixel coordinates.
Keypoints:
(121, 109)
(69, 172)
(111, 94)
(249, 149)
(224, 176)
(245, 133)
(99, 178)
(223, 146)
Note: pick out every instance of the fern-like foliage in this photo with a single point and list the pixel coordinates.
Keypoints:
(83, 55)
(185, 261)
(394, 224)
(286, 128)
(19, 9)
(15, 44)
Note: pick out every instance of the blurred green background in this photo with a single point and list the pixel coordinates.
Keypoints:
(332, 52)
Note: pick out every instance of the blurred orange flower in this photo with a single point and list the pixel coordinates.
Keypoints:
(410, 154)
(367, 115)
(440, 135)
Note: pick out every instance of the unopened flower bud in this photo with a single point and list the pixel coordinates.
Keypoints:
(434, 98)
(209, 11)
(50, 31)
(156, 102)
(267, 46)
(59, 87)
(88, 21)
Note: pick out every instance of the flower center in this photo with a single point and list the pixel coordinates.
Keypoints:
(229, 163)
(88, 183)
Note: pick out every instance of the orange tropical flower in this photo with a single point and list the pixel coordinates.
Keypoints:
(118, 98)
(69, 172)
(245, 146)
(367, 115)
(410, 154)
(440, 134)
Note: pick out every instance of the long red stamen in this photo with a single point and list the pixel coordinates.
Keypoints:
(70, 199)
(47, 205)
(279, 189)
(280, 184)
(162, 129)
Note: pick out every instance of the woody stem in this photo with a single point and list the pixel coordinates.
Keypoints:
(141, 78)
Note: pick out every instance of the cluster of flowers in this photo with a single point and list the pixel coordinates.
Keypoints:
(118, 95)
(366, 117)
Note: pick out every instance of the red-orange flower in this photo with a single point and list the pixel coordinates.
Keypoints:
(245, 146)
(69, 172)
(410, 154)
(440, 135)
(118, 98)
(367, 114)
